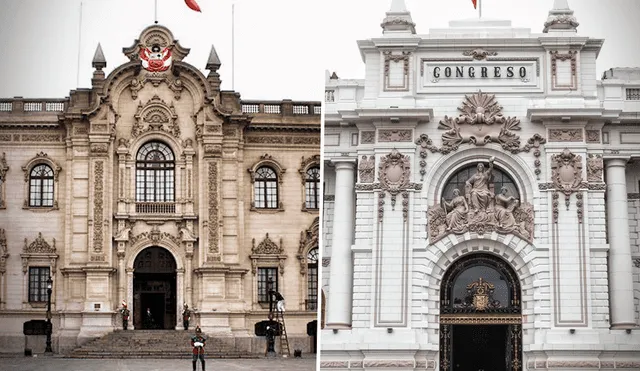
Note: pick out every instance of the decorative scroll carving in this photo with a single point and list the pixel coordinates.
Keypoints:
(39, 246)
(566, 173)
(98, 184)
(326, 262)
(595, 167)
(593, 136)
(330, 198)
(100, 148)
(305, 164)
(555, 56)
(155, 236)
(308, 241)
(366, 169)
(561, 19)
(3, 168)
(479, 54)
(393, 135)
(636, 262)
(480, 211)
(394, 173)
(565, 135)
(367, 137)
(158, 116)
(388, 58)
(213, 208)
(266, 246)
(481, 122)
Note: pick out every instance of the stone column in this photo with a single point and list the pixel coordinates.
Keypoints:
(180, 297)
(341, 277)
(620, 265)
(122, 280)
(130, 303)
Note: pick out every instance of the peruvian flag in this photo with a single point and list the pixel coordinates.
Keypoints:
(194, 6)
(475, 4)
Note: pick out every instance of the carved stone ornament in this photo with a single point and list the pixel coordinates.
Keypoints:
(156, 115)
(595, 167)
(3, 168)
(479, 54)
(213, 226)
(394, 174)
(39, 246)
(565, 135)
(368, 137)
(308, 241)
(154, 236)
(266, 247)
(636, 262)
(305, 164)
(395, 135)
(561, 20)
(366, 169)
(42, 158)
(4, 252)
(481, 122)
(567, 178)
(98, 206)
(480, 211)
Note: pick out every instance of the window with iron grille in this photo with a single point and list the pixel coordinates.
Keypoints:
(41, 186)
(266, 188)
(312, 279)
(38, 277)
(311, 188)
(155, 180)
(267, 280)
(633, 94)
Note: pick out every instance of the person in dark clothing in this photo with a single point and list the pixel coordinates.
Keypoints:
(125, 315)
(186, 316)
(279, 299)
(198, 342)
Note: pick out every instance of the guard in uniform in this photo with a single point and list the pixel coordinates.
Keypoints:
(198, 342)
(125, 315)
(186, 316)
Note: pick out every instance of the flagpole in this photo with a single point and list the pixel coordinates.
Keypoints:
(79, 45)
(480, 8)
(233, 50)
(155, 12)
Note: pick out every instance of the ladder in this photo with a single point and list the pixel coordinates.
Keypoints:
(284, 339)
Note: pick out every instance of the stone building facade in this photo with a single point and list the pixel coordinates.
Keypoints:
(156, 188)
(481, 202)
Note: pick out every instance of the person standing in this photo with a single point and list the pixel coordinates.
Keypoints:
(198, 342)
(125, 315)
(279, 300)
(186, 316)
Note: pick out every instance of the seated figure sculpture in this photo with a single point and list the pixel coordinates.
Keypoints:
(456, 210)
(504, 207)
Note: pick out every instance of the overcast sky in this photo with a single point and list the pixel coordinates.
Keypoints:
(282, 47)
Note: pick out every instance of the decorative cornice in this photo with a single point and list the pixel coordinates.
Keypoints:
(479, 54)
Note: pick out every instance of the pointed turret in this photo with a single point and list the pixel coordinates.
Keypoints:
(561, 18)
(99, 62)
(398, 19)
(213, 64)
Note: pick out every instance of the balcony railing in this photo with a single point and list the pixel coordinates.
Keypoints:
(633, 94)
(21, 105)
(155, 207)
(285, 107)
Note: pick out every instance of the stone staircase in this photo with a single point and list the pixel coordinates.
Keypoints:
(151, 344)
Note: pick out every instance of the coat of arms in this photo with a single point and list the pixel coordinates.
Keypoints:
(155, 59)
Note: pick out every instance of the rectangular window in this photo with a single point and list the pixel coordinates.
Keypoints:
(311, 195)
(312, 287)
(267, 279)
(633, 94)
(38, 277)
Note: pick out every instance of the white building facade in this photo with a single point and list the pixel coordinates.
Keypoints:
(482, 204)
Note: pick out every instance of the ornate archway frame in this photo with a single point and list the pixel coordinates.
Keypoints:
(175, 250)
(41, 158)
(308, 241)
(516, 252)
(267, 160)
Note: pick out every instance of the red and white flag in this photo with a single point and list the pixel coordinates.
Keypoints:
(194, 6)
(475, 4)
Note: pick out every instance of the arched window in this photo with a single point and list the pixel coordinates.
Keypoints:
(312, 183)
(41, 186)
(312, 279)
(266, 188)
(500, 179)
(155, 166)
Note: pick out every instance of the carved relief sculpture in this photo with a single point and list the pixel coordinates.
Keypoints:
(157, 115)
(479, 54)
(480, 211)
(566, 173)
(481, 122)
(595, 167)
(4, 252)
(366, 169)
(394, 175)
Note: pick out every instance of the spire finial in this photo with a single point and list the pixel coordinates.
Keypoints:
(213, 63)
(561, 18)
(398, 19)
(99, 62)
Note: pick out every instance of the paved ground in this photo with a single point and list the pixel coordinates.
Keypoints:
(42, 363)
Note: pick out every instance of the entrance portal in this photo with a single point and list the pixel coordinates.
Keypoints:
(154, 289)
(480, 316)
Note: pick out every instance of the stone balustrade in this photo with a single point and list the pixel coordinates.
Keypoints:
(284, 108)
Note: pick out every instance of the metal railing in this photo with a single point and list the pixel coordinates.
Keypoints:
(285, 107)
(155, 207)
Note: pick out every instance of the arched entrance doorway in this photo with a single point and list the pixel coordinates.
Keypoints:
(154, 288)
(480, 316)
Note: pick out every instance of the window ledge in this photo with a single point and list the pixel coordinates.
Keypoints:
(41, 209)
(266, 210)
(38, 304)
(310, 211)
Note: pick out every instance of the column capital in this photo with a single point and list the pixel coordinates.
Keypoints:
(615, 160)
(344, 163)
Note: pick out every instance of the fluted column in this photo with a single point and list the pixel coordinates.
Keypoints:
(130, 302)
(180, 297)
(620, 265)
(341, 277)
